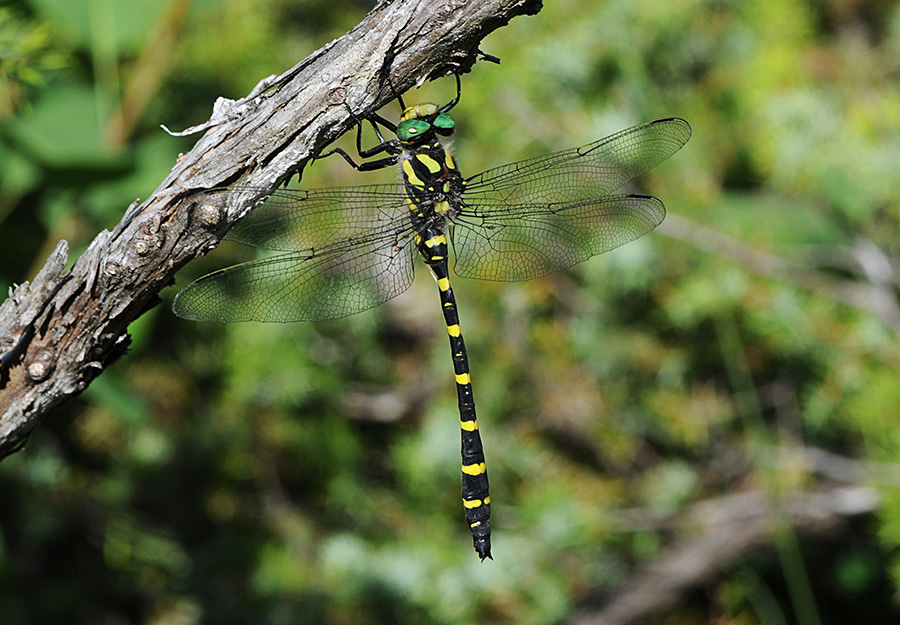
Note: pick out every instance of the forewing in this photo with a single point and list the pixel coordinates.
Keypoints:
(577, 174)
(525, 242)
(527, 219)
(296, 220)
(338, 281)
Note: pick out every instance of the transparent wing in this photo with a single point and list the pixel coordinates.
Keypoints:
(351, 249)
(295, 220)
(300, 287)
(526, 219)
(525, 242)
(581, 173)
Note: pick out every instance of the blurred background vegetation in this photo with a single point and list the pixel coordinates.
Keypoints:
(309, 473)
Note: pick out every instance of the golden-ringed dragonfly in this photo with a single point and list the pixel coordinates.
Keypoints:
(348, 249)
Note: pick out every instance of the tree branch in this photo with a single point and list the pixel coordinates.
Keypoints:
(64, 328)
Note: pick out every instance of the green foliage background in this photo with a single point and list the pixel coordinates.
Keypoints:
(308, 473)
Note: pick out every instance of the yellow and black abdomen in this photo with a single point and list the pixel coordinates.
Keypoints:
(475, 489)
(433, 184)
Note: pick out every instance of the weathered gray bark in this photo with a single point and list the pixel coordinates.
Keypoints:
(64, 328)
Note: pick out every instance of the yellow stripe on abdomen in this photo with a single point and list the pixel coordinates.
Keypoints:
(473, 469)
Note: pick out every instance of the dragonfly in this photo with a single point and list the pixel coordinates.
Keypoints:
(347, 249)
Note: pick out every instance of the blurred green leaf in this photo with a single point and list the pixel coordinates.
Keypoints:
(123, 26)
(63, 131)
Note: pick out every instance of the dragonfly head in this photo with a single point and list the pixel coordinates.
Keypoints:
(420, 121)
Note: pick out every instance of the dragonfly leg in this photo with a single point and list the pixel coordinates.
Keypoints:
(375, 119)
(488, 57)
(364, 166)
(391, 147)
(455, 100)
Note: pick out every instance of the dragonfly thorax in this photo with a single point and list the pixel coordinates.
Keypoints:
(433, 184)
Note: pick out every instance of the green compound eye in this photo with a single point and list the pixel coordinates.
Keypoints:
(411, 129)
(444, 124)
